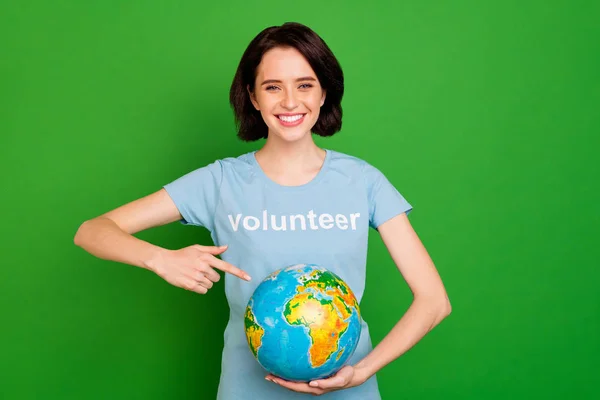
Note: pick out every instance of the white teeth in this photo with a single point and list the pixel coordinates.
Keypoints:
(292, 118)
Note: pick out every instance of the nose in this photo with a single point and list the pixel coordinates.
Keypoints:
(289, 100)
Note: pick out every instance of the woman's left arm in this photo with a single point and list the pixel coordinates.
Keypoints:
(430, 303)
(429, 307)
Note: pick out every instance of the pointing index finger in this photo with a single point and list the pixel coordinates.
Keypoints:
(225, 266)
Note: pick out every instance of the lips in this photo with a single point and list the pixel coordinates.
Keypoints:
(290, 119)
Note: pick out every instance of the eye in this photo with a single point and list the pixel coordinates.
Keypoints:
(271, 88)
(306, 86)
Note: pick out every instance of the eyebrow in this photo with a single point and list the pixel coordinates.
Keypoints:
(304, 78)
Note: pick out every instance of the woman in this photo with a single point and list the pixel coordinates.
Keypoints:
(287, 203)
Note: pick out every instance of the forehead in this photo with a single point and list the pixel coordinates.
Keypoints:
(282, 63)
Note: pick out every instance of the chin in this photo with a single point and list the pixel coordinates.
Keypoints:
(288, 139)
(291, 134)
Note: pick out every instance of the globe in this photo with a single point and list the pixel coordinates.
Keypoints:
(302, 323)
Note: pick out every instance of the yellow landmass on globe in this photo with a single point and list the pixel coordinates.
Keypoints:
(323, 321)
(341, 300)
(254, 332)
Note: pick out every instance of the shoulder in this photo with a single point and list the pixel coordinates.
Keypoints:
(241, 168)
(354, 165)
(215, 171)
(227, 165)
(237, 163)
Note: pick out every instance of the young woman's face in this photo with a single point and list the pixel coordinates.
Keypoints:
(287, 94)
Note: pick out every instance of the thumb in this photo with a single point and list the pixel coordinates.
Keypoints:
(338, 380)
(214, 250)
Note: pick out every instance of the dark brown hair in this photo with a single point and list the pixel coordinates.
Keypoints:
(249, 122)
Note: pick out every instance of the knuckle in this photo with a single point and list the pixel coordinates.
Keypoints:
(202, 266)
(188, 286)
(192, 251)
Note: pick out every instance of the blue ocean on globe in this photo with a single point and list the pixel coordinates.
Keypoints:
(302, 323)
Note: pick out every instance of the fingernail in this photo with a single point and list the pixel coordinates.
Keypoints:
(247, 277)
(223, 246)
(314, 384)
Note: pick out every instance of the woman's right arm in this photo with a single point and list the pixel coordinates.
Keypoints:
(110, 237)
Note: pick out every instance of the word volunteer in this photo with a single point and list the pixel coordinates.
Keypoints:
(293, 222)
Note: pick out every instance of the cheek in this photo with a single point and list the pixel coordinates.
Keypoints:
(317, 99)
(266, 103)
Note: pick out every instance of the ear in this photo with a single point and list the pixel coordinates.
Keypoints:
(323, 97)
(252, 98)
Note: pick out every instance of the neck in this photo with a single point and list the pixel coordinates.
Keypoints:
(290, 156)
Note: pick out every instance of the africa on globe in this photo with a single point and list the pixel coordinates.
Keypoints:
(302, 323)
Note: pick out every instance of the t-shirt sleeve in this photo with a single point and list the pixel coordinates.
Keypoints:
(385, 201)
(196, 194)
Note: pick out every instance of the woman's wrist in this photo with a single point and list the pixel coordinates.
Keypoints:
(154, 258)
(361, 373)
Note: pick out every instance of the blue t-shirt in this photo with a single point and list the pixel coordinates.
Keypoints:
(269, 226)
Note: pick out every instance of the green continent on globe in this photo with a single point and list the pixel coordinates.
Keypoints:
(254, 332)
(324, 318)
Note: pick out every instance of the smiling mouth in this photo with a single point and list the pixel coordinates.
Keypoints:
(290, 118)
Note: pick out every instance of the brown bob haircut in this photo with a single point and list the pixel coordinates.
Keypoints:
(249, 122)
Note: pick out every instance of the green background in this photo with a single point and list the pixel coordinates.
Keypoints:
(485, 115)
